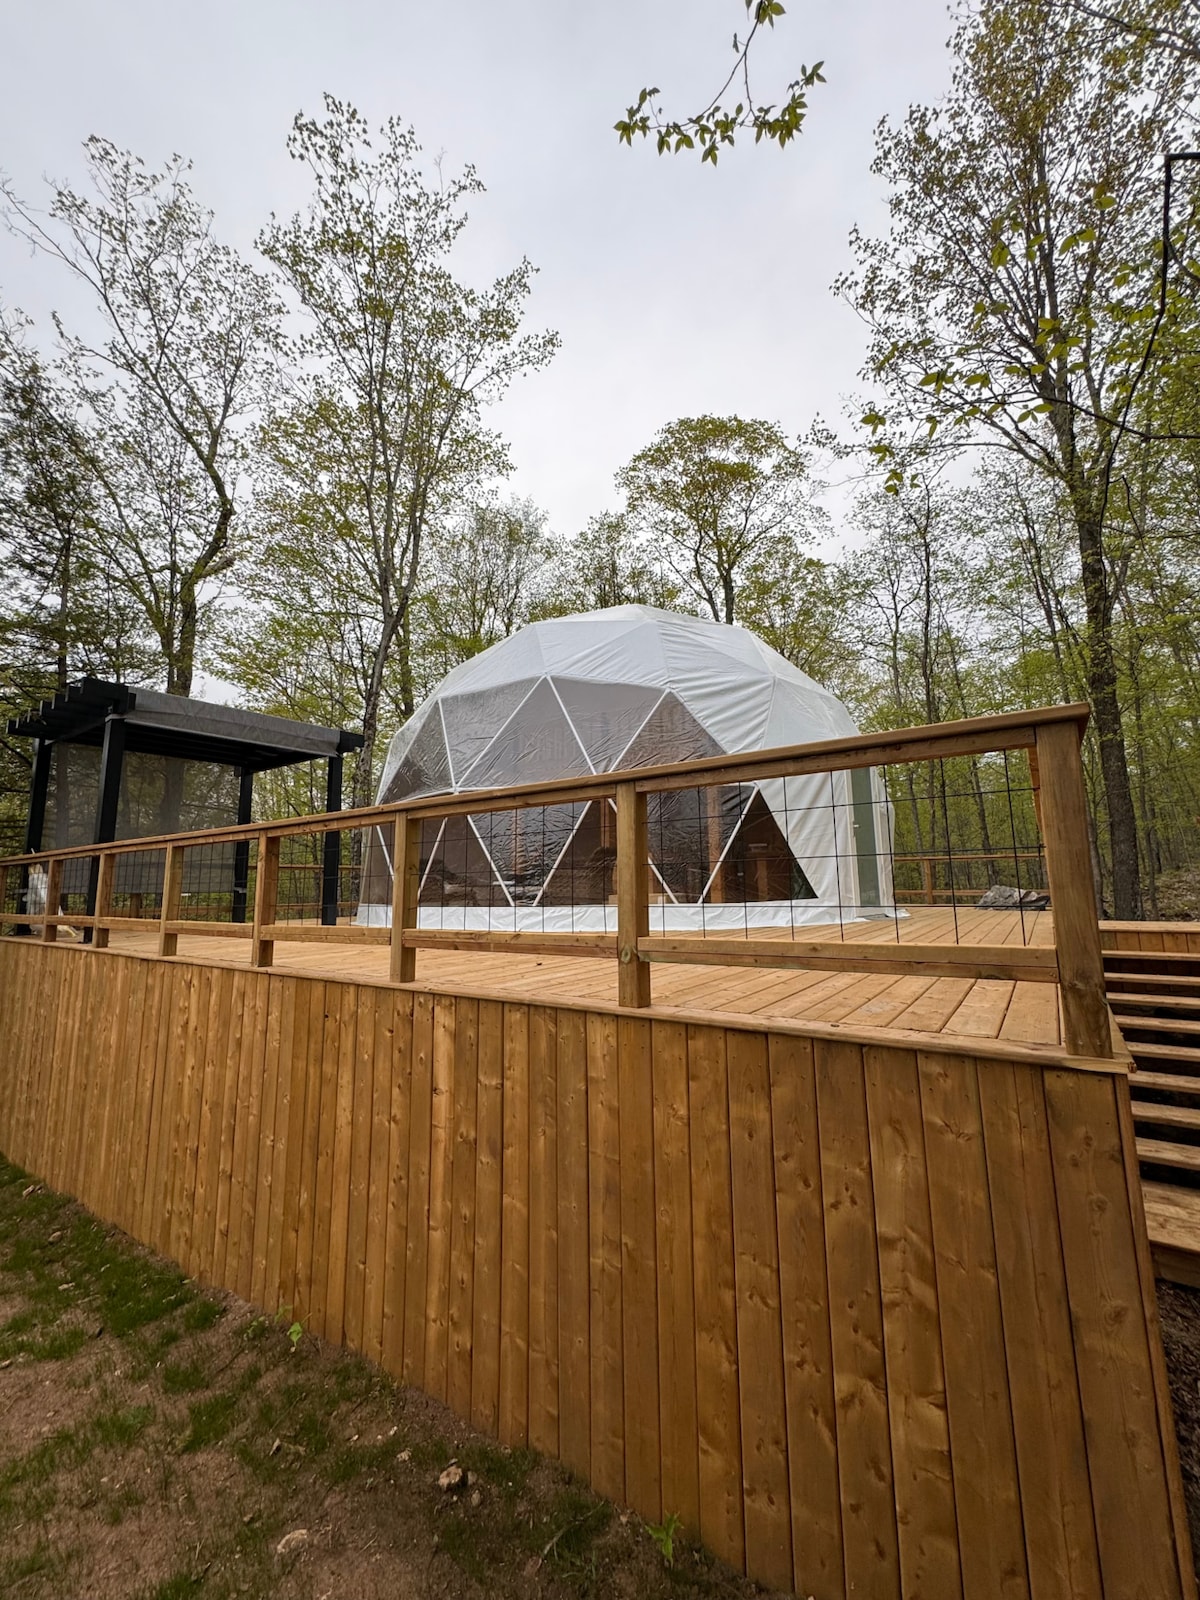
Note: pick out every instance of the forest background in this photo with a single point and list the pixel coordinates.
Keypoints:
(278, 469)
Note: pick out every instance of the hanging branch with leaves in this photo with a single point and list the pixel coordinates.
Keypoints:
(719, 123)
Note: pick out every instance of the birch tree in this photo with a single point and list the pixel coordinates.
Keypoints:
(398, 358)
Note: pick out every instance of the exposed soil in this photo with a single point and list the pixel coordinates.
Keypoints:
(157, 1443)
(1179, 1313)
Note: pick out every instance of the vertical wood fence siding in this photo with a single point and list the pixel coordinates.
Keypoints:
(873, 1321)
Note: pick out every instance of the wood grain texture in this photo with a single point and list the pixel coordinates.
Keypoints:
(872, 1319)
(871, 1556)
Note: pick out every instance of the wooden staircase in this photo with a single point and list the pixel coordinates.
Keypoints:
(1155, 999)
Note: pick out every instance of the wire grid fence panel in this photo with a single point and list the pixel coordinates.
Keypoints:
(826, 851)
(319, 876)
(214, 882)
(137, 884)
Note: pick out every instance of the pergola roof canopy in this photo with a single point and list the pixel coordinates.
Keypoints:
(170, 725)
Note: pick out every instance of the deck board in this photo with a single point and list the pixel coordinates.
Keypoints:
(985, 1009)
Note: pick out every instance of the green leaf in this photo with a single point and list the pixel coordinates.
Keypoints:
(1001, 255)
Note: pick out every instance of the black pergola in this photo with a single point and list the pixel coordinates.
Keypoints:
(119, 719)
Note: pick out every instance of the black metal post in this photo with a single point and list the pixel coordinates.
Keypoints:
(35, 823)
(112, 759)
(332, 848)
(39, 788)
(241, 850)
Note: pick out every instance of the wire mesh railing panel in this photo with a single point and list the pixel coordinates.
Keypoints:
(137, 883)
(214, 882)
(320, 876)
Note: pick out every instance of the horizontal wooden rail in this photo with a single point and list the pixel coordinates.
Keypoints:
(533, 943)
(1051, 735)
(1019, 963)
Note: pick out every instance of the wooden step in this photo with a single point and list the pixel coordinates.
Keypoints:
(1167, 1116)
(1170, 982)
(1184, 1054)
(1174, 1082)
(1128, 1019)
(1177, 1002)
(1173, 1223)
(1165, 1153)
(1110, 953)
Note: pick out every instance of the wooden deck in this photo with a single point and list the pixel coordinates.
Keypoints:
(1018, 1013)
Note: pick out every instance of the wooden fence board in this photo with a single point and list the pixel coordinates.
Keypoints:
(417, 1229)
(574, 1346)
(543, 1230)
(298, 1295)
(872, 1561)
(514, 1279)
(342, 1175)
(816, 1506)
(464, 1159)
(604, 1258)
(717, 1402)
(766, 1496)
(441, 1151)
(397, 1041)
(921, 1464)
(358, 1181)
(639, 1269)
(1060, 1528)
(1133, 1525)
(339, 1000)
(676, 1291)
(489, 1189)
(987, 1495)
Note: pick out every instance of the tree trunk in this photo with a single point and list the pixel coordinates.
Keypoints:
(1106, 711)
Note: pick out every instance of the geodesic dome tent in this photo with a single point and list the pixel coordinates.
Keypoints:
(632, 687)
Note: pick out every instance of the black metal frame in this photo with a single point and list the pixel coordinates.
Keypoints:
(96, 712)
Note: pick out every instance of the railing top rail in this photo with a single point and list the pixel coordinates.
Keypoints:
(1009, 731)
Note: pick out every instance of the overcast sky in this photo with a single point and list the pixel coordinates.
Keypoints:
(676, 290)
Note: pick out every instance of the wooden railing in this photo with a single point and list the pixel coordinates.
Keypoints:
(946, 863)
(1050, 735)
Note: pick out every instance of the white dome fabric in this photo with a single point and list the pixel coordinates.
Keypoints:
(627, 687)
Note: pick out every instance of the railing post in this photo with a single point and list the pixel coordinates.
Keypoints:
(53, 894)
(3, 894)
(633, 896)
(266, 899)
(406, 883)
(172, 896)
(1086, 1025)
(104, 895)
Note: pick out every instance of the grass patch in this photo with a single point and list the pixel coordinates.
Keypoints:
(64, 1451)
(209, 1420)
(184, 1377)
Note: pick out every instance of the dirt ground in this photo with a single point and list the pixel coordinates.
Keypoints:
(159, 1443)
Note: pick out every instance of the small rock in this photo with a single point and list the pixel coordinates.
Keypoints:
(476, 1498)
(452, 1479)
(25, 1193)
(98, 1330)
(55, 1236)
(7, 1362)
(405, 1455)
(291, 1542)
(275, 1448)
(533, 1566)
